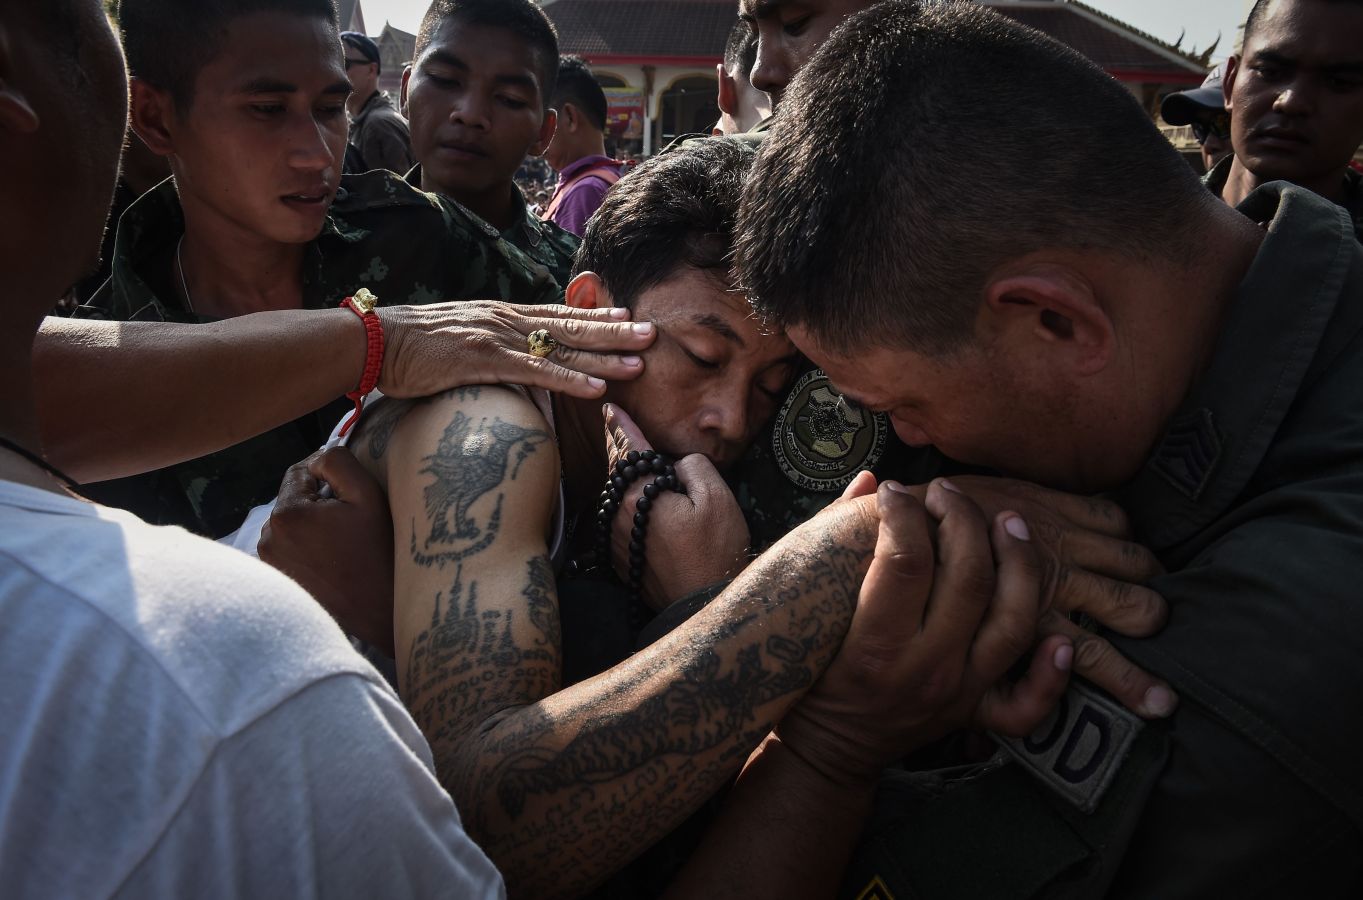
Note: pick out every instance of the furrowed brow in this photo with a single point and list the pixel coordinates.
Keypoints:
(719, 327)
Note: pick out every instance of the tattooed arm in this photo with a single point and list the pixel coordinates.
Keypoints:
(562, 788)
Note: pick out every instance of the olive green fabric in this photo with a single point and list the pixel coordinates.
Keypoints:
(754, 136)
(406, 246)
(539, 239)
(1215, 180)
(1253, 501)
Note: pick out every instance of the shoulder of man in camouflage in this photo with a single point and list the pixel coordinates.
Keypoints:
(408, 246)
(545, 242)
(753, 136)
(148, 231)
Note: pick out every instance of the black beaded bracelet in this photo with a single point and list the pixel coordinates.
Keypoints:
(636, 464)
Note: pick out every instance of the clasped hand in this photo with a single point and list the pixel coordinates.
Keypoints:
(939, 622)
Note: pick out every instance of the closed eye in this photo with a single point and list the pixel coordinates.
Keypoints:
(703, 363)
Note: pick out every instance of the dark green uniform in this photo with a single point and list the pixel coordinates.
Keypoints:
(541, 240)
(1253, 501)
(1215, 180)
(406, 246)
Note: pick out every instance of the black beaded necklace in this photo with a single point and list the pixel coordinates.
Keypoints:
(40, 463)
(635, 465)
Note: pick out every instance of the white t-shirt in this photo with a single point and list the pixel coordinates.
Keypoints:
(177, 720)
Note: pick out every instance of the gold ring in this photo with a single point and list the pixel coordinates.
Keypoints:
(541, 344)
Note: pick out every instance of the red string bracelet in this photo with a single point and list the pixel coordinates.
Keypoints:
(362, 304)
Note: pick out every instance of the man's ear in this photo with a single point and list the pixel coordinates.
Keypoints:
(152, 113)
(402, 95)
(1054, 307)
(17, 115)
(587, 291)
(547, 128)
(1228, 81)
(728, 91)
(567, 117)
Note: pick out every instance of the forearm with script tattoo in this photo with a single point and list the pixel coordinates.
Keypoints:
(563, 787)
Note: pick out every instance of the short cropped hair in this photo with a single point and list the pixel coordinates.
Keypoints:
(740, 50)
(1256, 14)
(578, 86)
(523, 18)
(168, 42)
(924, 145)
(676, 210)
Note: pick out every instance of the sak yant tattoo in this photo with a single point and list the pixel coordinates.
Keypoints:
(562, 787)
(470, 462)
(379, 422)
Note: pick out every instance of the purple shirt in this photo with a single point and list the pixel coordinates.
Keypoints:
(580, 201)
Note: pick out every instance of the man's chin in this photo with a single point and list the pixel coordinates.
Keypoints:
(291, 233)
(1280, 166)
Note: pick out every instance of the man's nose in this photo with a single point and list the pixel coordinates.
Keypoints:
(725, 416)
(771, 70)
(310, 150)
(470, 109)
(1295, 100)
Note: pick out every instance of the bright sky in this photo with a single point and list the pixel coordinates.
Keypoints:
(1165, 19)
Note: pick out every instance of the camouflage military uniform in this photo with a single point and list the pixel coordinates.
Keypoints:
(406, 246)
(542, 241)
(1215, 180)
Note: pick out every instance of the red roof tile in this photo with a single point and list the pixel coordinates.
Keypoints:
(1104, 43)
(698, 28)
(643, 28)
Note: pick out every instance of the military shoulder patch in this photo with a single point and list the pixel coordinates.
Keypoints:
(1078, 751)
(821, 442)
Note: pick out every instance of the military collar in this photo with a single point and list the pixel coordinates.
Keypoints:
(1273, 329)
(526, 232)
(376, 99)
(153, 225)
(148, 233)
(1216, 178)
(1217, 175)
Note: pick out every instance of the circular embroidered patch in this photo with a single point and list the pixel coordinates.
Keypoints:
(821, 441)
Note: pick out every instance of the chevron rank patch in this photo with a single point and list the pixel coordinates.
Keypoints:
(821, 441)
(876, 890)
(1078, 751)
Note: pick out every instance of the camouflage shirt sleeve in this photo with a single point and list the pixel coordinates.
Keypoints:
(408, 246)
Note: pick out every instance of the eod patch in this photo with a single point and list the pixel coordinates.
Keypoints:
(820, 440)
